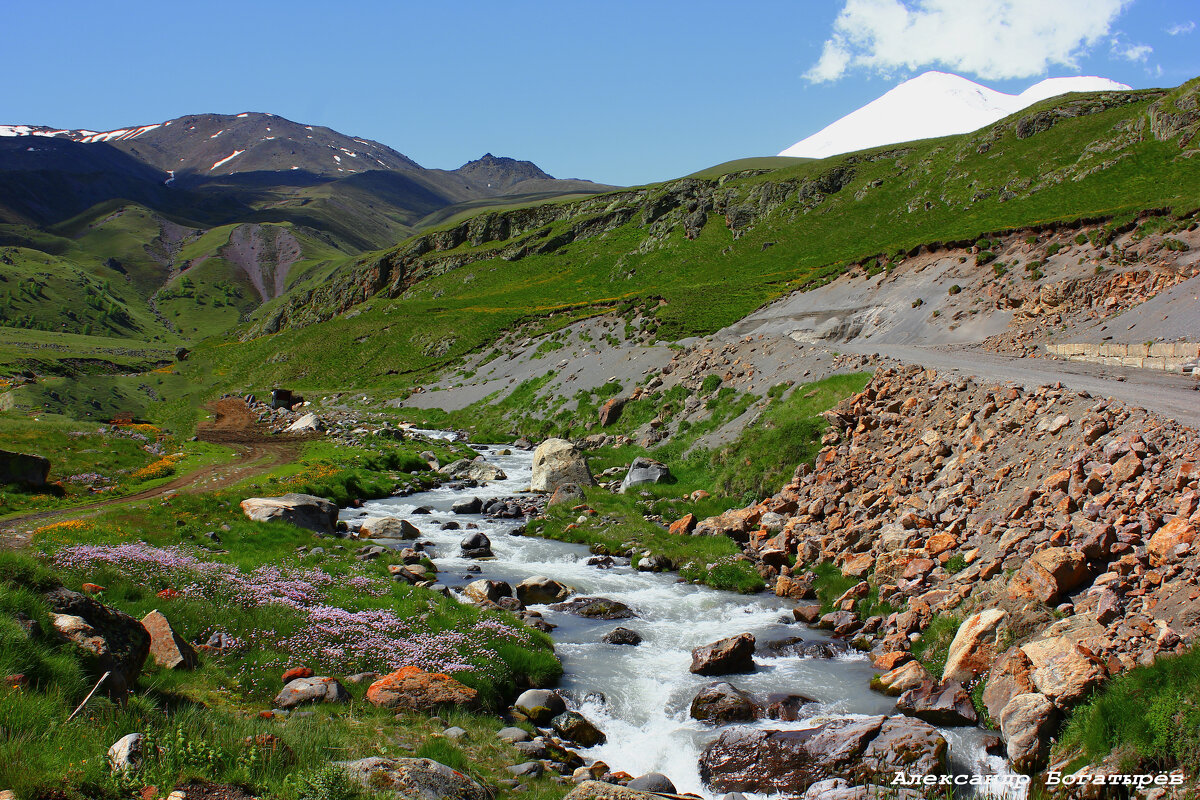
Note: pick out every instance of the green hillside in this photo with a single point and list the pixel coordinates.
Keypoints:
(700, 254)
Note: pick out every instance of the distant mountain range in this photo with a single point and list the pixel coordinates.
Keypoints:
(931, 105)
(49, 174)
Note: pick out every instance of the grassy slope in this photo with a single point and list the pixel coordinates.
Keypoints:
(1083, 167)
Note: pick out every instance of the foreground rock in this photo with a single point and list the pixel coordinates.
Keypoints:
(576, 727)
(540, 590)
(118, 643)
(540, 705)
(389, 528)
(168, 648)
(865, 750)
(645, 471)
(596, 608)
(1027, 723)
(306, 691)
(412, 689)
(309, 423)
(975, 645)
(302, 510)
(723, 703)
(23, 469)
(725, 656)
(557, 462)
(415, 778)
(945, 704)
(127, 752)
(596, 790)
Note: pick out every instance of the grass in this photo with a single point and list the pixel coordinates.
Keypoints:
(933, 647)
(203, 723)
(1149, 716)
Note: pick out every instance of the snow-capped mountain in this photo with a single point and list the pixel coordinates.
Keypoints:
(930, 105)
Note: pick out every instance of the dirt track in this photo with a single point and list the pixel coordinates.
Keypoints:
(234, 425)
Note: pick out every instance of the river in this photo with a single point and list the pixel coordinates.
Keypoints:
(639, 696)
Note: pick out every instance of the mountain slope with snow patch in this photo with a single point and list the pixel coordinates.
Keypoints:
(931, 105)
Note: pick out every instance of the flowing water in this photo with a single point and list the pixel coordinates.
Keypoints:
(639, 696)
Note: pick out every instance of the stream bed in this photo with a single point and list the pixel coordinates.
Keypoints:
(639, 696)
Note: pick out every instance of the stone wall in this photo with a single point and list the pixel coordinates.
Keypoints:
(1169, 356)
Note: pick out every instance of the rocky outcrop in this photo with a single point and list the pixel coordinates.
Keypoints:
(725, 656)
(169, 649)
(115, 642)
(789, 762)
(302, 510)
(415, 778)
(23, 469)
(412, 689)
(557, 462)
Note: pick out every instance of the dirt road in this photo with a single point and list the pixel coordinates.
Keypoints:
(257, 452)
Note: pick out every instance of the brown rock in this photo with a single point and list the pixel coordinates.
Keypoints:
(413, 689)
(899, 680)
(1161, 547)
(858, 565)
(683, 525)
(1128, 467)
(1009, 676)
(168, 648)
(1049, 574)
(974, 647)
(943, 704)
(1063, 671)
(940, 543)
(610, 412)
(1027, 723)
(889, 661)
(297, 672)
(725, 656)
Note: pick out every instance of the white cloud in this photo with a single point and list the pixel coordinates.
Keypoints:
(992, 39)
(1131, 52)
(1182, 27)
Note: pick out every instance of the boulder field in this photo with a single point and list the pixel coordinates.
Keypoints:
(1058, 528)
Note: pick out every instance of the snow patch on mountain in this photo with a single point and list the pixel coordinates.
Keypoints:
(931, 105)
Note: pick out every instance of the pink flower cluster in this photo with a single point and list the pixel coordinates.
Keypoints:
(335, 637)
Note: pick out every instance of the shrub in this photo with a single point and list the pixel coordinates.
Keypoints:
(955, 289)
(1052, 249)
(984, 257)
(1175, 245)
(710, 384)
(984, 244)
(918, 303)
(1081, 238)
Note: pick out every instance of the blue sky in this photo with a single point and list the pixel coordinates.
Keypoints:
(615, 91)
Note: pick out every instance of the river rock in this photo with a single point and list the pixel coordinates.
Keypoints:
(476, 545)
(169, 649)
(486, 591)
(785, 706)
(303, 691)
(596, 608)
(540, 590)
(557, 461)
(725, 656)
(472, 505)
(622, 636)
(576, 727)
(414, 778)
(907, 676)
(540, 705)
(974, 647)
(789, 762)
(302, 510)
(389, 528)
(476, 470)
(945, 704)
(23, 469)
(1027, 723)
(722, 703)
(644, 471)
(513, 735)
(412, 689)
(652, 782)
(597, 790)
(118, 643)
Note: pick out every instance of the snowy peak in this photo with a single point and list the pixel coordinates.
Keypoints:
(930, 105)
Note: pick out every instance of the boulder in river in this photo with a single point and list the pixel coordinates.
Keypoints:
(785, 706)
(652, 782)
(576, 727)
(621, 635)
(596, 608)
(644, 471)
(598, 790)
(302, 510)
(476, 470)
(472, 505)
(946, 704)
(725, 656)
(557, 461)
(789, 762)
(486, 591)
(476, 545)
(538, 590)
(722, 703)
(388, 528)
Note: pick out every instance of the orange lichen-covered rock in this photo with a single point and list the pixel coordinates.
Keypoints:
(412, 689)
